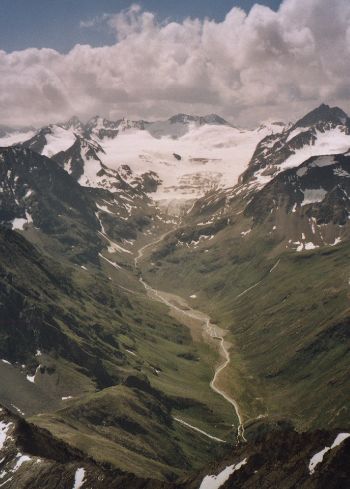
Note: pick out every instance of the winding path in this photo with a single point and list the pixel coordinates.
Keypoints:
(211, 330)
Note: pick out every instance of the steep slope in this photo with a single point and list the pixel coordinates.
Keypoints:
(33, 458)
(271, 262)
(50, 140)
(309, 204)
(287, 317)
(79, 341)
(278, 457)
(41, 199)
(38, 194)
(325, 130)
(83, 161)
(74, 337)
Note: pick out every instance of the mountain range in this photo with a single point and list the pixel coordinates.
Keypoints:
(184, 156)
(174, 303)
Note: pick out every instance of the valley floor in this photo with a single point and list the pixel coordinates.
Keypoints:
(202, 329)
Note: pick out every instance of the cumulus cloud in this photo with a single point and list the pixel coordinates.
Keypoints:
(249, 67)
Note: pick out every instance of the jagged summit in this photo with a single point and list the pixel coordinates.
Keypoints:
(73, 123)
(204, 146)
(210, 151)
(213, 119)
(323, 113)
(97, 122)
(324, 130)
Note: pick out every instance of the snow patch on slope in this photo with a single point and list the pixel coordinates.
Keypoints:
(318, 457)
(296, 132)
(79, 478)
(333, 141)
(19, 222)
(313, 195)
(21, 460)
(59, 140)
(216, 481)
(4, 427)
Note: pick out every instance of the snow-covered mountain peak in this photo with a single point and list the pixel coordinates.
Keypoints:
(100, 128)
(325, 130)
(98, 122)
(126, 124)
(186, 156)
(50, 140)
(73, 123)
(183, 157)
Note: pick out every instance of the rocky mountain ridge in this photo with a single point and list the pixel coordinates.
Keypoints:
(32, 458)
(185, 156)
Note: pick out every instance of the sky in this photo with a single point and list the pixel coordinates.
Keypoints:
(56, 24)
(150, 59)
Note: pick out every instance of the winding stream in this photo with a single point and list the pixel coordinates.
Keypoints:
(210, 332)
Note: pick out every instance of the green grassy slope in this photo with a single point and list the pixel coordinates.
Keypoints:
(82, 336)
(288, 327)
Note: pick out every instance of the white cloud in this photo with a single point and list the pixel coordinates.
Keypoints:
(95, 22)
(248, 67)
